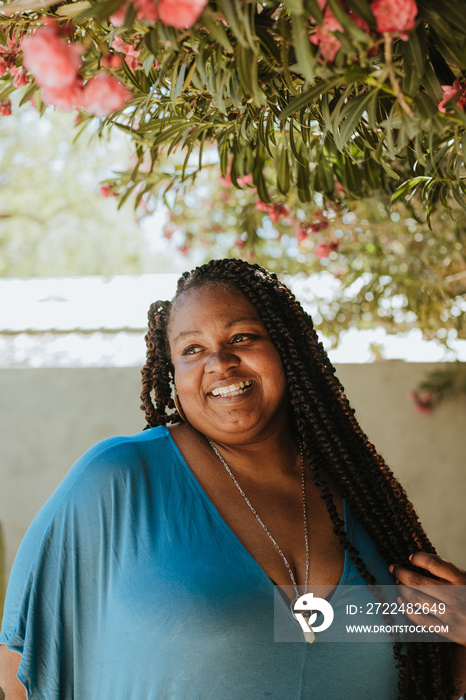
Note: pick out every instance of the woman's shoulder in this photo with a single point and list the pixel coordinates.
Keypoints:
(109, 470)
(122, 452)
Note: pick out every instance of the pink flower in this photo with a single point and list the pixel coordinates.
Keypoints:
(8, 56)
(105, 191)
(455, 92)
(52, 61)
(244, 181)
(314, 226)
(323, 37)
(104, 94)
(180, 14)
(301, 234)
(118, 17)
(323, 250)
(147, 9)
(66, 98)
(21, 79)
(394, 16)
(424, 402)
(277, 211)
(225, 181)
(130, 52)
(5, 108)
(169, 229)
(111, 61)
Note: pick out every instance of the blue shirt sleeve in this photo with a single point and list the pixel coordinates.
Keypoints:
(58, 566)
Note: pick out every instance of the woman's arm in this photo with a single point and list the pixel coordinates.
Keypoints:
(9, 663)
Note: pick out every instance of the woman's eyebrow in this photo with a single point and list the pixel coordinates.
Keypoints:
(243, 319)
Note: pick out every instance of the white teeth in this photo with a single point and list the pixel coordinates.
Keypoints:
(231, 390)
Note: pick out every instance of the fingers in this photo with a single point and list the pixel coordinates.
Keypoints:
(438, 602)
(412, 578)
(439, 567)
(432, 564)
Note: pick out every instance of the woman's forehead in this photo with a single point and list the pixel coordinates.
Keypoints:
(213, 298)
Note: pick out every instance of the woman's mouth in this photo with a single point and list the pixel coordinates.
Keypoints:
(232, 389)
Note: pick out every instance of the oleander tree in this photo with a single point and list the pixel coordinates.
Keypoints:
(318, 114)
(342, 98)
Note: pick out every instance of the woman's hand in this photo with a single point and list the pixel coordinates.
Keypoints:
(449, 589)
(441, 590)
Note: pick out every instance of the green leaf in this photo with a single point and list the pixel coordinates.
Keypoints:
(151, 41)
(216, 29)
(295, 7)
(224, 152)
(263, 131)
(363, 9)
(232, 12)
(178, 86)
(259, 182)
(247, 72)
(306, 62)
(313, 9)
(371, 172)
(407, 186)
(445, 17)
(414, 54)
(6, 91)
(302, 182)
(448, 48)
(322, 88)
(350, 116)
(293, 143)
(324, 178)
(28, 93)
(100, 10)
(283, 171)
(425, 108)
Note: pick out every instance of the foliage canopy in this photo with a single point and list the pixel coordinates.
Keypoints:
(258, 80)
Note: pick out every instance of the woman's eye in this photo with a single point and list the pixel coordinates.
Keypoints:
(191, 350)
(240, 337)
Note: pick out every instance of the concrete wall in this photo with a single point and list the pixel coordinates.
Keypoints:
(51, 416)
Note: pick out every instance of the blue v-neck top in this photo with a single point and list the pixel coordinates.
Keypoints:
(129, 585)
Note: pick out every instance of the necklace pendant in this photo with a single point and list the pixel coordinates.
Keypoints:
(303, 619)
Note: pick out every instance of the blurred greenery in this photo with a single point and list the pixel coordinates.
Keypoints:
(53, 219)
(386, 265)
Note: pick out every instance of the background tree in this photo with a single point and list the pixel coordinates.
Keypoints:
(54, 220)
(343, 99)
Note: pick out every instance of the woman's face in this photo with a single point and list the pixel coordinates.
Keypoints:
(228, 374)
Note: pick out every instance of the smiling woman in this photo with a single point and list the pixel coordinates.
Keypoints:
(162, 565)
(228, 374)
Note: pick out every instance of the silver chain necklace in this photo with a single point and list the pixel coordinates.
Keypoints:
(268, 533)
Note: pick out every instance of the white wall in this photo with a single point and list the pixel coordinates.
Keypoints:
(51, 416)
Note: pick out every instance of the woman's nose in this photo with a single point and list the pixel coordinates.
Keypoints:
(221, 360)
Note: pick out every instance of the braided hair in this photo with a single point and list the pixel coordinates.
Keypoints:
(331, 438)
